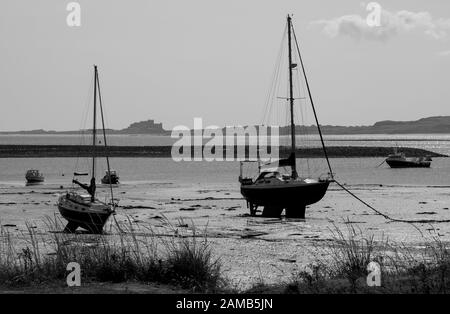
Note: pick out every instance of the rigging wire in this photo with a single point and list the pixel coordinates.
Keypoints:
(312, 103)
(275, 75)
(299, 91)
(82, 128)
(409, 221)
(107, 158)
(268, 109)
(413, 221)
(286, 106)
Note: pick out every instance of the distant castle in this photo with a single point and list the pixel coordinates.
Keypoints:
(144, 127)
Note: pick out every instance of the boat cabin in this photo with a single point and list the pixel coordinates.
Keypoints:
(397, 156)
(272, 175)
(80, 198)
(33, 173)
(112, 172)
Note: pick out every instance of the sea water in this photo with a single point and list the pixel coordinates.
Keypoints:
(353, 171)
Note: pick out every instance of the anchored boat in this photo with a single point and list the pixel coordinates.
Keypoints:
(273, 190)
(34, 176)
(85, 210)
(399, 160)
(110, 177)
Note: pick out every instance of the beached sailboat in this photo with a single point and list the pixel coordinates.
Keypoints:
(85, 210)
(275, 191)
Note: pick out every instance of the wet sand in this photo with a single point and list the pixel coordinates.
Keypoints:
(251, 248)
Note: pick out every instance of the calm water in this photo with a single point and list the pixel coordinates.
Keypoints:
(353, 171)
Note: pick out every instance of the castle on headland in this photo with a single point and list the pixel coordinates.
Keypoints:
(144, 127)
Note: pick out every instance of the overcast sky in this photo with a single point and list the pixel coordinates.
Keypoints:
(173, 60)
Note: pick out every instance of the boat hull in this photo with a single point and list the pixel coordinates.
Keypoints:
(81, 216)
(114, 180)
(408, 164)
(293, 197)
(35, 180)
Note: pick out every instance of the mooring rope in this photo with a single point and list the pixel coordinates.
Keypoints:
(388, 217)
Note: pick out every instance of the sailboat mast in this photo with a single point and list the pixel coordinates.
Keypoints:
(94, 130)
(104, 140)
(291, 101)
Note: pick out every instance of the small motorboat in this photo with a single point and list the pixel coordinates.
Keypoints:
(34, 176)
(399, 160)
(110, 177)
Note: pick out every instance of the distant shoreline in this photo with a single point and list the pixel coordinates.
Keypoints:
(36, 151)
(429, 125)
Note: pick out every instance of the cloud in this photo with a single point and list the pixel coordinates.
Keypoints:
(444, 53)
(392, 24)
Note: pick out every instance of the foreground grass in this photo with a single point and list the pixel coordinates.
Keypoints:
(342, 267)
(132, 260)
(182, 261)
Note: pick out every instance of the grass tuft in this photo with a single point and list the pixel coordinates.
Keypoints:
(129, 255)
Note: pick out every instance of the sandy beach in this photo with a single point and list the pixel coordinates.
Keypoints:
(250, 248)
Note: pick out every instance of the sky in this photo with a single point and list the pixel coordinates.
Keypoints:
(173, 60)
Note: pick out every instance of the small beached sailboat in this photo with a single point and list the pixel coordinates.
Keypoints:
(34, 176)
(85, 210)
(275, 191)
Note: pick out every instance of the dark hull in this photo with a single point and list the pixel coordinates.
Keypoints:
(35, 180)
(293, 197)
(114, 180)
(92, 222)
(408, 164)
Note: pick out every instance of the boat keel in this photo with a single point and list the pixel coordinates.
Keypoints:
(296, 212)
(71, 227)
(272, 211)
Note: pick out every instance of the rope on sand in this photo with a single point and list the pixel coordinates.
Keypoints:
(417, 221)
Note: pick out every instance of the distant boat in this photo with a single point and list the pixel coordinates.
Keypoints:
(34, 176)
(85, 210)
(399, 160)
(110, 177)
(274, 191)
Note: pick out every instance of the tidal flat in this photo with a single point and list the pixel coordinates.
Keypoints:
(251, 249)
